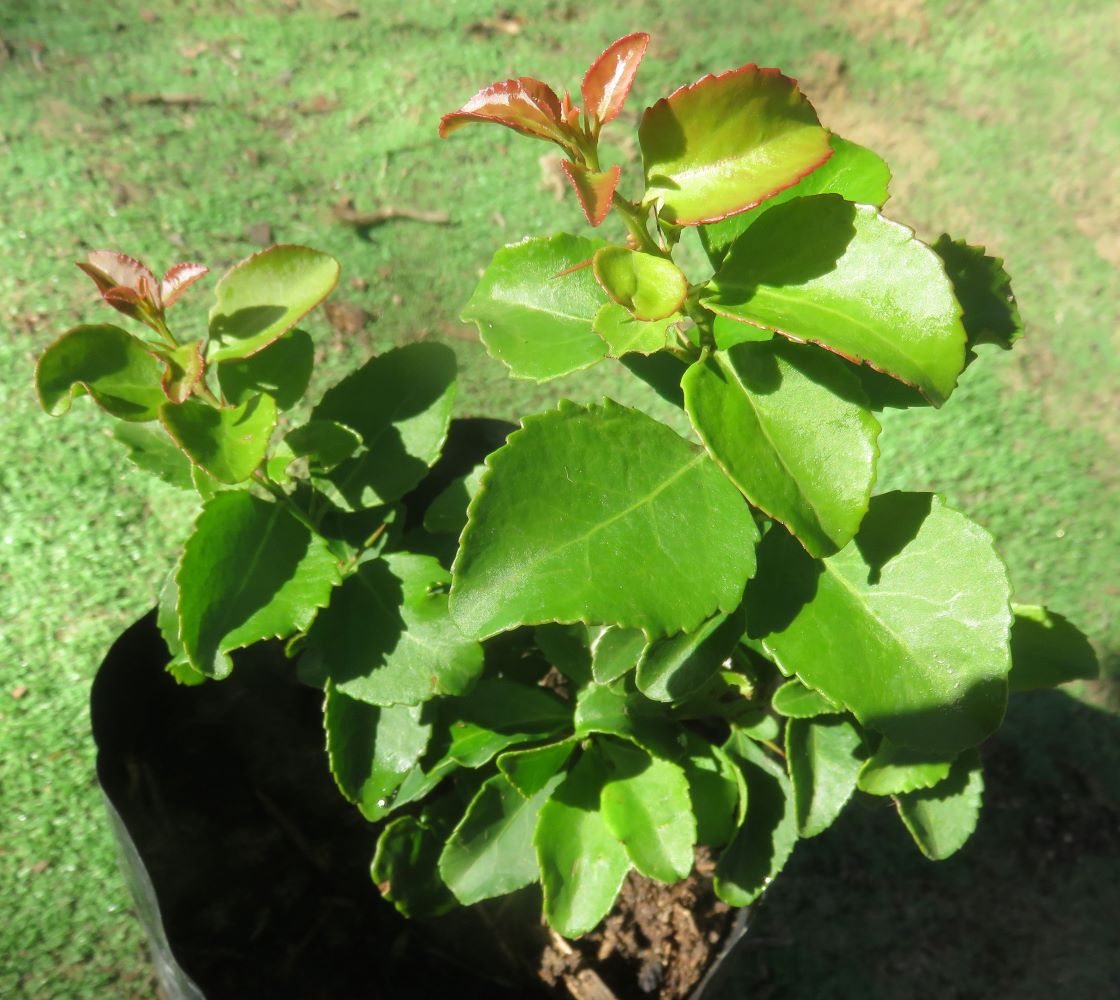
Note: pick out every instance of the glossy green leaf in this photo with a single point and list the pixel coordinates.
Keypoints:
(1047, 650)
(824, 758)
(892, 770)
(150, 449)
(371, 748)
(624, 334)
(112, 366)
(228, 443)
(167, 621)
(726, 143)
(530, 770)
(790, 426)
(674, 668)
(649, 287)
(405, 868)
(615, 651)
(387, 639)
(260, 299)
(983, 288)
(282, 370)
(534, 312)
(717, 790)
(447, 513)
(618, 710)
(491, 851)
(907, 627)
(399, 403)
(325, 443)
(942, 818)
(249, 571)
(646, 806)
(840, 275)
(588, 487)
(729, 332)
(582, 864)
(796, 701)
(853, 172)
(499, 713)
(568, 649)
(763, 843)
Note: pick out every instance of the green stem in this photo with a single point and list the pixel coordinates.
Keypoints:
(631, 215)
(286, 502)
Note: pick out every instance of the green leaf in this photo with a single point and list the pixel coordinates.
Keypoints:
(249, 571)
(790, 426)
(824, 758)
(853, 172)
(727, 143)
(619, 710)
(150, 449)
(228, 443)
(662, 372)
(325, 443)
(112, 366)
(260, 299)
(405, 868)
(626, 335)
(584, 484)
(491, 851)
(499, 713)
(729, 332)
(763, 843)
(1047, 650)
(907, 627)
(582, 865)
(614, 652)
(447, 513)
(893, 770)
(646, 807)
(167, 621)
(840, 275)
(387, 639)
(983, 288)
(717, 790)
(399, 403)
(796, 701)
(674, 668)
(371, 749)
(568, 649)
(649, 287)
(529, 770)
(183, 370)
(282, 370)
(534, 312)
(942, 818)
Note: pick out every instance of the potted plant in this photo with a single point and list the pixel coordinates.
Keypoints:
(611, 674)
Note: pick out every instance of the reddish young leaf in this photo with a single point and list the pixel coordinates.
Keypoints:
(178, 279)
(594, 191)
(183, 371)
(569, 113)
(523, 104)
(110, 269)
(608, 80)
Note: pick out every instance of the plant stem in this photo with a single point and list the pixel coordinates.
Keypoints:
(286, 502)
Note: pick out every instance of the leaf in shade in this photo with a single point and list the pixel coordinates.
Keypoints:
(405, 868)
(674, 668)
(325, 443)
(853, 172)
(717, 789)
(109, 364)
(942, 818)
(729, 332)
(265, 295)
(490, 853)
(608, 80)
(523, 104)
(534, 312)
(726, 143)
(150, 449)
(766, 837)
(400, 404)
(789, 424)
(229, 443)
(530, 770)
(893, 770)
(178, 279)
(1047, 650)
(650, 287)
(796, 701)
(282, 370)
(183, 371)
(586, 484)
(372, 748)
(983, 288)
(499, 713)
(906, 627)
(582, 865)
(626, 335)
(824, 758)
(386, 638)
(662, 372)
(447, 513)
(614, 652)
(568, 649)
(840, 275)
(594, 190)
(249, 571)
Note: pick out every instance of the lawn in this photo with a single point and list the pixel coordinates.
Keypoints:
(202, 130)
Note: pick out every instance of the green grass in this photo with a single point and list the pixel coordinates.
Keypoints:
(997, 118)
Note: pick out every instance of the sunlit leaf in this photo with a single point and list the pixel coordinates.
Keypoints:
(523, 104)
(608, 80)
(594, 190)
(228, 443)
(649, 287)
(942, 818)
